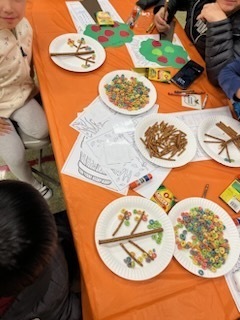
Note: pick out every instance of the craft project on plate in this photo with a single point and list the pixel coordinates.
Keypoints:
(127, 92)
(165, 140)
(220, 139)
(75, 52)
(206, 237)
(110, 36)
(164, 53)
(134, 238)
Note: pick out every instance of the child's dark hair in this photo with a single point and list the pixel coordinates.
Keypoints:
(28, 236)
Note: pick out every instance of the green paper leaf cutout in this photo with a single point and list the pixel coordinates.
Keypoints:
(164, 53)
(110, 36)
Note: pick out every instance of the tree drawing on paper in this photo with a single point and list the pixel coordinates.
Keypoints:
(164, 53)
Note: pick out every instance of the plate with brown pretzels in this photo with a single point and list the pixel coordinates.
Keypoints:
(220, 139)
(165, 140)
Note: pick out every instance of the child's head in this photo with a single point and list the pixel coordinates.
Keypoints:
(28, 236)
(11, 12)
(229, 6)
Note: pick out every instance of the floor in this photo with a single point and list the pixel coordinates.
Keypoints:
(56, 203)
(181, 17)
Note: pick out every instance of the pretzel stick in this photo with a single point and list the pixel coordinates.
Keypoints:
(87, 60)
(131, 236)
(130, 254)
(230, 132)
(207, 141)
(53, 54)
(208, 135)
(137, 224)
(164, 141)
(228, 155)
(141, 249)
(120, 224)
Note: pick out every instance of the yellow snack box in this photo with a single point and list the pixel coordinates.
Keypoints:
(231, 195)
(104, 18)
(154, 74)
(158, 74)
(164, 198)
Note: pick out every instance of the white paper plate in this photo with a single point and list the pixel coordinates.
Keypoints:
(230, 233)
(71, 63)
(128, 74)
(212, 149)
(181, 160)
(113, 255)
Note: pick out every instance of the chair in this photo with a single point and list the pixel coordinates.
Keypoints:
(38, 145)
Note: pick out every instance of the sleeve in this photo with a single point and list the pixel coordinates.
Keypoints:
(58, 302)
(229, 78)
(173, 7)
(219, 48)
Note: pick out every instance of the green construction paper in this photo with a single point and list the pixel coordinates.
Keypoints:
(164, 53)
(110, 36)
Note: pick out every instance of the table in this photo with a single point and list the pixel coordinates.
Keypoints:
(175, 293)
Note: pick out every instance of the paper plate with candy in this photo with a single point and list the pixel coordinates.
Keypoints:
(207, 240)
(134, 238)
(127, 92)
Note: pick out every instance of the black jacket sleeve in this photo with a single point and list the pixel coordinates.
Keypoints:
(219, 48)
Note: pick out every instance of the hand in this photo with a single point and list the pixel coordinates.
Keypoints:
(212, 12)
(160, 21)
(5, 127)
(237, 94)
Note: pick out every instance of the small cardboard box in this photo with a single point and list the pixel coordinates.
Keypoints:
(231, 195)
(164, 198)
(104, 18)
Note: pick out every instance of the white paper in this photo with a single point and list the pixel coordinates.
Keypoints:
(101, 127)
(193, 101)
(105, 154)
(80, 16)
(193, 118)
(82, 165)
(158, 176)
(107, 7)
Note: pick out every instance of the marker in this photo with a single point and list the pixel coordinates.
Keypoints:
(182, 93)
(189, 91)
(140, 181)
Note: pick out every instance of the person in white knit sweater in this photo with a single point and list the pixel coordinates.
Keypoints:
(18, 108)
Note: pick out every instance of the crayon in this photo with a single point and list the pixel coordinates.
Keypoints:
(140, 181)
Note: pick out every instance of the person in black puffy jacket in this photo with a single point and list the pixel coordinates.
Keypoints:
(213, 27)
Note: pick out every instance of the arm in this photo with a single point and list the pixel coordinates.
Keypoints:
(5, 127)
(229, 79)
(161, 22)
(219, 40)
(219, 48)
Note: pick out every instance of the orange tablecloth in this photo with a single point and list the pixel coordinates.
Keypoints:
(175, 293)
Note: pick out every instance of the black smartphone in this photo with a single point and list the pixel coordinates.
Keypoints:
(187, 74)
